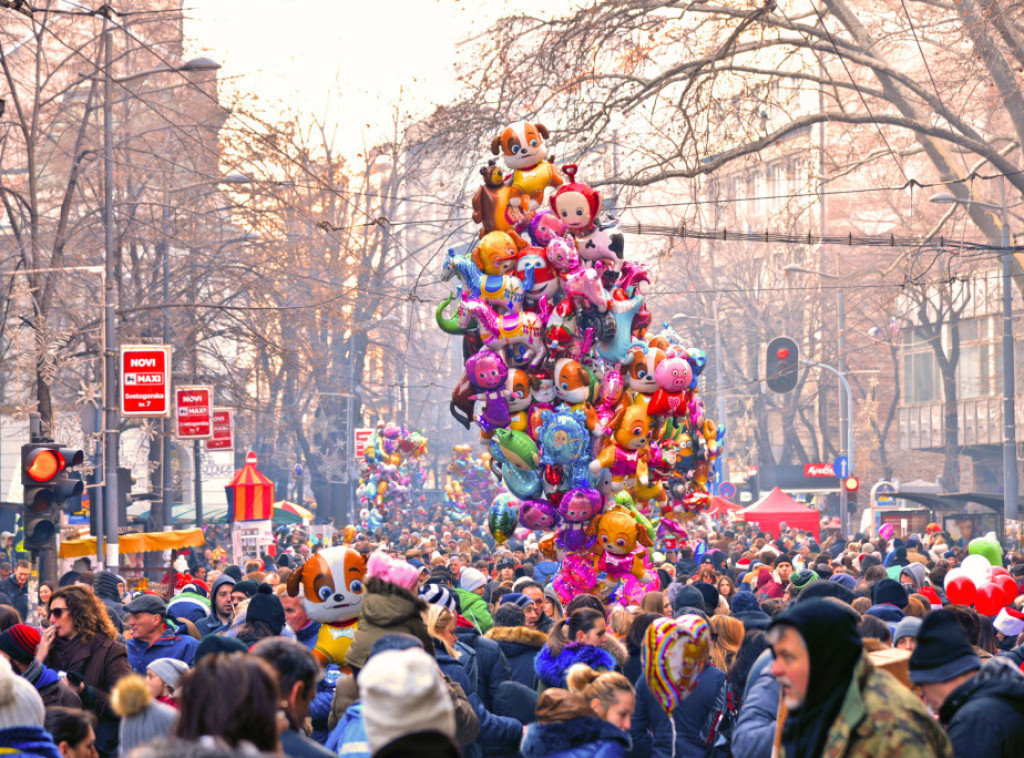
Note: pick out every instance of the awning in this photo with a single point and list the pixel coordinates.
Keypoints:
(143, 542)
(282, 507)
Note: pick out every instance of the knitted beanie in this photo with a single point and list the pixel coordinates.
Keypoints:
(142, 718)
(435, 594)
(889, 591)
(471, 579)
(20, 704)
(801, 579)
(170, 670)
(518, 598)
(265, 606)
(219, 643)
(246, 586)
(20, 642)
(942, 651)
(403, 692)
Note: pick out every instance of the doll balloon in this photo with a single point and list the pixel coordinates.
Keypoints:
(576, 204)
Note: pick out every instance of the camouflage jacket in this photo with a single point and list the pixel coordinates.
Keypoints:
(880, 718)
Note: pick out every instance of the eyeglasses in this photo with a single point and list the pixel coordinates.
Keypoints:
(57, 612)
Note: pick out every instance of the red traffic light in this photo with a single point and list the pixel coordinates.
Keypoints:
(851, 483)
(783, 353)
(43, 465)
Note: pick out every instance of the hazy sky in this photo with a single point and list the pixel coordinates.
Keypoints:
(354, 60)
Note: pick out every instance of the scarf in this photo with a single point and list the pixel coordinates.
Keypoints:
(829, 630)
(27, 740)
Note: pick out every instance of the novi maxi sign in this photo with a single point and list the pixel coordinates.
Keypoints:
(146, 381)
(194, 417)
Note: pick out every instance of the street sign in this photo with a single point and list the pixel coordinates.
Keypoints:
(841, 466)
(194, 413)
(882, 494)
(818, 470)
(751, 472)
(146, 381)
(727, 490)
(362, 438)
(223, 430)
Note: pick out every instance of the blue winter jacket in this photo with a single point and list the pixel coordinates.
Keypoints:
(520, 646)
(172, 644)
(492, 668)
(496, 731)
(696, 719)
(755, 728)
(348, 738)
(320, 708)
(583, 737)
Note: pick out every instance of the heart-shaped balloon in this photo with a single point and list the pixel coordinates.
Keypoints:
(675, 654)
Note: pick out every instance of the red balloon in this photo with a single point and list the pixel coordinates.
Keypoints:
(997, 571)
(1009, 587)
(961, 591)
(991, 598)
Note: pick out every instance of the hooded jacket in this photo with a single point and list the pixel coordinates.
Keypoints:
(551, 669)
(387, 609)
(692, 725)
(917, 572)
(984, 716)
(567, 728)
(520, 646)
(212, 623)
(474, 609)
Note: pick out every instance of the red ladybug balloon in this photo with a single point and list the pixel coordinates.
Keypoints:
(961, 591)
(1009, 587)
(995, 571)
(990, 599)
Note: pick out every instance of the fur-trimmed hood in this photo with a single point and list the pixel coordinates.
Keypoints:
(551, 669)
(583, 736)
(517, 637)
(616, 650)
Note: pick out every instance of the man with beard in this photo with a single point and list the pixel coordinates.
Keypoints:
(838, 703)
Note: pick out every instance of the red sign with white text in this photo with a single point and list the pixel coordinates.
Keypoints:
(146, 381)
(223, 430)
(194, 413)
(819, 470)
(362, 437)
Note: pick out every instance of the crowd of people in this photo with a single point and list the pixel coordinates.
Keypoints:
(843, 648)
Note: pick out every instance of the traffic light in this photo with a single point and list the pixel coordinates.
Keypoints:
(44, 477)
(851, 483)
(781, 363)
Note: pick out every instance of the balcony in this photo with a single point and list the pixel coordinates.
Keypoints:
(980, 422)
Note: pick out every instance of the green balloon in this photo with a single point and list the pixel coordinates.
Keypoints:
(991, 549)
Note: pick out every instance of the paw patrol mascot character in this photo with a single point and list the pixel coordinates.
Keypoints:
(331, 587)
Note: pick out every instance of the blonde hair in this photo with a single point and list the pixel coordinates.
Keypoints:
(437, 618)
(727, 636)
(621, 621)
(602, 685)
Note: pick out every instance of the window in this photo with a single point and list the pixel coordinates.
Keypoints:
(979, 369)
(921, 381)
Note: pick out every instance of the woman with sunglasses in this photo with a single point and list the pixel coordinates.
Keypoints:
(82, 642)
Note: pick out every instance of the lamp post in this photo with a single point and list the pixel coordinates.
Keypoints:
(1009, 369)
(845, 400)
(719, 383)
(111, 415)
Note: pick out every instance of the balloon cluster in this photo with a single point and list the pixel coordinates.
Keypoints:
(471, 488)
(981, 580)
(391, 469)
(593, 420)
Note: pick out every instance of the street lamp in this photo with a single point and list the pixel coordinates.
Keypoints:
(845, 400)
(719, 385)
(111, 418)
(1009, 369)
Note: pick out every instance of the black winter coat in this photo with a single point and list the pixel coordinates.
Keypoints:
(984, 716)
(520, 646)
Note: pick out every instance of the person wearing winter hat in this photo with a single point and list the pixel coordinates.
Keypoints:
(107, 588)
(163, 677)
(143, 719)
(746, 608)
(844, 580)
(243, 590)
(190, 602)
(222, 607)
(21, 717)
(685, 598)
(437, 594)
(219, 643)
(19, 644)
(154, 635)
(800, 580)
(838, 703)
(264, 616)
(406, 707)
(981, 707)
(889, 592)
(913, 577)
(710, 595)
(1009, 625)
(904, 636)
(472, 585)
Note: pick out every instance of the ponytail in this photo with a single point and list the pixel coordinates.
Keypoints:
(556, 640)
(593, 685)
(565, 631)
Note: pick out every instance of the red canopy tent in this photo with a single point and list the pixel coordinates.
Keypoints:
(250, 493)
(777, 507)
(720, 507)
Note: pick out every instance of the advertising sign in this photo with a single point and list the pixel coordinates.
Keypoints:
(362, 437)
(146, 381)
(193, 419)
(223, 430)
(818, 470)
